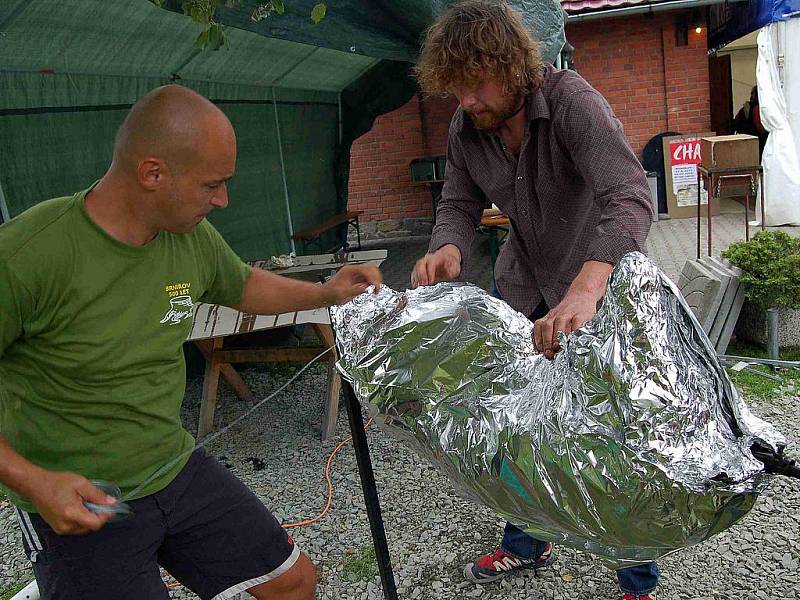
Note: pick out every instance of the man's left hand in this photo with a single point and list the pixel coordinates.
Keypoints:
(571, 313)
(351, 281)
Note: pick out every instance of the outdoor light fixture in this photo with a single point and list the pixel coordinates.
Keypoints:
(695, 19)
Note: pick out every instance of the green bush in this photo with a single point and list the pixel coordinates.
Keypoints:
(770, 263)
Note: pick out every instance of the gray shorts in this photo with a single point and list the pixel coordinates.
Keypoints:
(206, 528)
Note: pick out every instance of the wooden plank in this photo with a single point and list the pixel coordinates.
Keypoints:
(285, 319)
(208, 403)
(325, 334)
(319, 315)
(316, 261)
(278, 354)
(495, 221)
(264, 322)
(233, 378)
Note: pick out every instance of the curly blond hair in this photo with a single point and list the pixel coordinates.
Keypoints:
(475, 38)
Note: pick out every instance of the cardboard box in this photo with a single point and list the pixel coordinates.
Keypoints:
(729, 151)
(681, 157)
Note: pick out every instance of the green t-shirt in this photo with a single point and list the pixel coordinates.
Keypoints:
(92, 373)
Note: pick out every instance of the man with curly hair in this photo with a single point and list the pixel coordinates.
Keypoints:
(546, 148)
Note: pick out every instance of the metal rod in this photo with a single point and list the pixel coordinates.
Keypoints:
(710, 202)
(283, 173)
(370, 492)
(788, 364)
(699, 181)
(772, 334)
(765, 375)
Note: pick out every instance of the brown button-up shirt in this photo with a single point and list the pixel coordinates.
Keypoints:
(575, 193)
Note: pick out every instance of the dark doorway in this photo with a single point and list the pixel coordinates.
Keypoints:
(719, 76)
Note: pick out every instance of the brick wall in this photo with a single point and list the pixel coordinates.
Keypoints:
(380, 183)
(652, 84)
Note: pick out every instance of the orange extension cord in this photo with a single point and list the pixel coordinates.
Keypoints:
(328, 503)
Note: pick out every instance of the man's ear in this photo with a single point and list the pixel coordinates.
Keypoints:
(151, 173)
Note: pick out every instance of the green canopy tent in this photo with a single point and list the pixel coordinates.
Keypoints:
(298, 94)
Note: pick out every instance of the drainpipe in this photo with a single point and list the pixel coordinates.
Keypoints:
(651, 7)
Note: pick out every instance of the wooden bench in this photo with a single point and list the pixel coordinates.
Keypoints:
(312, 235)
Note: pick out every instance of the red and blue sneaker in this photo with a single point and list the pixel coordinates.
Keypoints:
(498, 563)
(649, 596)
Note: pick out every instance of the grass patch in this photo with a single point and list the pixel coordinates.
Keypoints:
(363, 566)
(10, 592)
(755, 386)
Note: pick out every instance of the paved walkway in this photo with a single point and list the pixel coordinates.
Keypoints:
(670, 244)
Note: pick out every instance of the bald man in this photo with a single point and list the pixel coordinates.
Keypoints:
(92, 373)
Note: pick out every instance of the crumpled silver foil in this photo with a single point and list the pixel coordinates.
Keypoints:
(631, 443)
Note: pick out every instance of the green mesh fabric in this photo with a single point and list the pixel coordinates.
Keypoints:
(69, 71)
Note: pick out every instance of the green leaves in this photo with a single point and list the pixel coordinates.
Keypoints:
(770, 262)
(318, 12)
(213, 34)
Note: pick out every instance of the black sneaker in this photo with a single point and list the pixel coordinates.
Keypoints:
(497, 564)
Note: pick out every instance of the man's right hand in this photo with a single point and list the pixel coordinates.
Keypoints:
(442, 265)
(59, 497)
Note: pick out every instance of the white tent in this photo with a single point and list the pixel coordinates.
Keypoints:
(778, 77)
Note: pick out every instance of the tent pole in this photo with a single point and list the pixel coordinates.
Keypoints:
(283, 171)
(341, 124)
(6, 216)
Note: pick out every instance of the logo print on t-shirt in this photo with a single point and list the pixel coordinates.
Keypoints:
(181, 306)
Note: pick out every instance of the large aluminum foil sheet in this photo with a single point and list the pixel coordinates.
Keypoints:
(630, 444)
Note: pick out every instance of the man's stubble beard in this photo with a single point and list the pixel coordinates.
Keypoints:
(492, 119)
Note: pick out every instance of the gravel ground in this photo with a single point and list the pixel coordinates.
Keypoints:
(432, 533)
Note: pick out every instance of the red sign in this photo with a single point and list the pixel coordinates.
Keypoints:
(686, 152)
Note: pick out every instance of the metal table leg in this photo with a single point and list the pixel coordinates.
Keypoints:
(370, 493)
(700, 180)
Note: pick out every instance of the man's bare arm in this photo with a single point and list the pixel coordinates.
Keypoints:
(266, 293)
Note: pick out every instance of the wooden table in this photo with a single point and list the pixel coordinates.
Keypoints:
(212, 324)
(715, 177)
(497, 225)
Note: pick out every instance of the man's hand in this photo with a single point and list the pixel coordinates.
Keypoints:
(351, 281)
(571, 313)
(577, 307)
(442, 265)
(59, 497)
